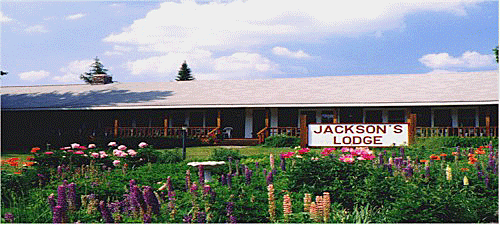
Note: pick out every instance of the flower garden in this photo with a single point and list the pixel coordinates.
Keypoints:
(139, 184)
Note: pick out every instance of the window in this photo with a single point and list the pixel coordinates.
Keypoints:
(396, 116)
(466, 117)
(327, 117)
(373, 116)
(442, 118)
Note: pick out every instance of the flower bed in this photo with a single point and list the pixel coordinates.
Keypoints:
(348, 185)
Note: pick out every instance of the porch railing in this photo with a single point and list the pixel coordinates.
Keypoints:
(269, 131)
(200, 132)
(457, 131)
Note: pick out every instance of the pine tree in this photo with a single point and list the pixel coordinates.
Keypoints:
(95, 68)
(184, 73)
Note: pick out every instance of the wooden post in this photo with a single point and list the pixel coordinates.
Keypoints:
(116, 128)
(218, 118)
(267, 118)
(165, 126)
(412, 128)
(335, 115)
(303, 131)
(488, 121)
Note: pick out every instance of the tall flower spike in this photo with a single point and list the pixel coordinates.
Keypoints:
(307, 202)
(272, 203)
(287, 207)
(151, 200)
(313, 212)
(57, 216)
(282, 163)
(448, 173)
(188, 180)
(108, 218)
(271, 161)
(269, 178)
(326, 206)
(319, 204)
(61, 198)
(72, 198)
(466, 181)
(169, 184)
(201, 174)
(52, 201)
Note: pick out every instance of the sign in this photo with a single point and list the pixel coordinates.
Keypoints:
(368, 135)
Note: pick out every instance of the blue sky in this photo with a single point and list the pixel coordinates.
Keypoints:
(54, 42)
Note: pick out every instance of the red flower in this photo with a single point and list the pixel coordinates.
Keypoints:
(288, 154)
(49, 153)
(82, 148)
(35, 149)
(304, 151)
(434, 157)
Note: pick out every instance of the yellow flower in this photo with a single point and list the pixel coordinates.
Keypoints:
(466, 180)
(448, 173)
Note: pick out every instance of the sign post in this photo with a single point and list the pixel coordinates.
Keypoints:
(303, 131)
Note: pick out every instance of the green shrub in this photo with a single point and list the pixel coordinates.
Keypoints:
(281, 140)
(170, 156)
(222, 154)
(451, 142)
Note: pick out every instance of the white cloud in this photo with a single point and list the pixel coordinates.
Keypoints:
(4, 18)
(75, 16)
(240, 23)
(33, 75)
(36, 29)
(119, 50)
(71, 72)
(240, 65)
(282, 51)
(469, 60)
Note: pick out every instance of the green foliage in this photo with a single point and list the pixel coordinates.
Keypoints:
(495, 50)
(95, 68)
(281, 140)
(184, 73)
(157, 142)
(451, 142)
(223, 154)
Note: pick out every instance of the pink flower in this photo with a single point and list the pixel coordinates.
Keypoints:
(79, 152)
(116, 162)
(327, 151)
(288, 154)
(131, 152)
(366, 156)
(82, 147)
(143, 145)
(75, 145)
(122, 147)
(112, 144)
(347, 158)
(49, 153)
(103, 154)
(62, 148)
(117, 152)
(70, 150)
(95, 155)
(304, 151)
(346, 149)
(91, 146)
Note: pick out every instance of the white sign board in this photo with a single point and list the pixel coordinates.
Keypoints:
(369, 135)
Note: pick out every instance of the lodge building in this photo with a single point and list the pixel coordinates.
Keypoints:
(454, 104)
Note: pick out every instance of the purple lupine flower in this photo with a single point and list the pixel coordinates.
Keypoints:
(206, 189)
(402, 152)
(264, 172)
(230, 208)
(385, 152)
(9, 217)
(248, 175)
(223, 180)
(201, 174)
(201, 217)
(188, 180)
(213, 195)
(275, 172)
(58, 214)
(151, 200)
(232, 219)
(146, 218)
(108, 218)
(237, 167)
(389, 169)
(380, 159)
(409, 171)
(72, 198)
(132, 183)
(61, 198)
(52, 201)
(491, 163)
(169, 184)
(394, 155)
(269, 178)
(487, 181)
(65, 182)
(480, 174)
(137, 199)
(427, 171)
(188, 218)
(282, 163)
(256, 165)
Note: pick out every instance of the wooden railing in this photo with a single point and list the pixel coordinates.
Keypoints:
(457, 131)
(200, 132)
(270, 131)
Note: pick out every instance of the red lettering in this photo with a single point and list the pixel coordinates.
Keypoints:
(356, 140)
(382, 129)
(320, 129)
(360, 129)
(372, 129)
(367, 140)
(328, 129)
(348, 142)
(335, 141)
(349, 128)
(398, 129)
(376, 140)
(337, 131)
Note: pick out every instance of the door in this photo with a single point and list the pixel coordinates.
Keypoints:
(259, 121)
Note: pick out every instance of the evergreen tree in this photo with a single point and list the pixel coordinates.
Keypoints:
(95, 68)
(184, 73)
(495, 50)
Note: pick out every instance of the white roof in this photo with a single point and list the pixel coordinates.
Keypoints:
(466, 88)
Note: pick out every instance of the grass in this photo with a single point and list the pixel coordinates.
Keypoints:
(203, 152)
(22, 158)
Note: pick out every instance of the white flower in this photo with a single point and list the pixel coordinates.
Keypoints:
(116, 162)
(112, 144)
(91, 146)
(122, 147)
(75, 145)
(143, 145)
